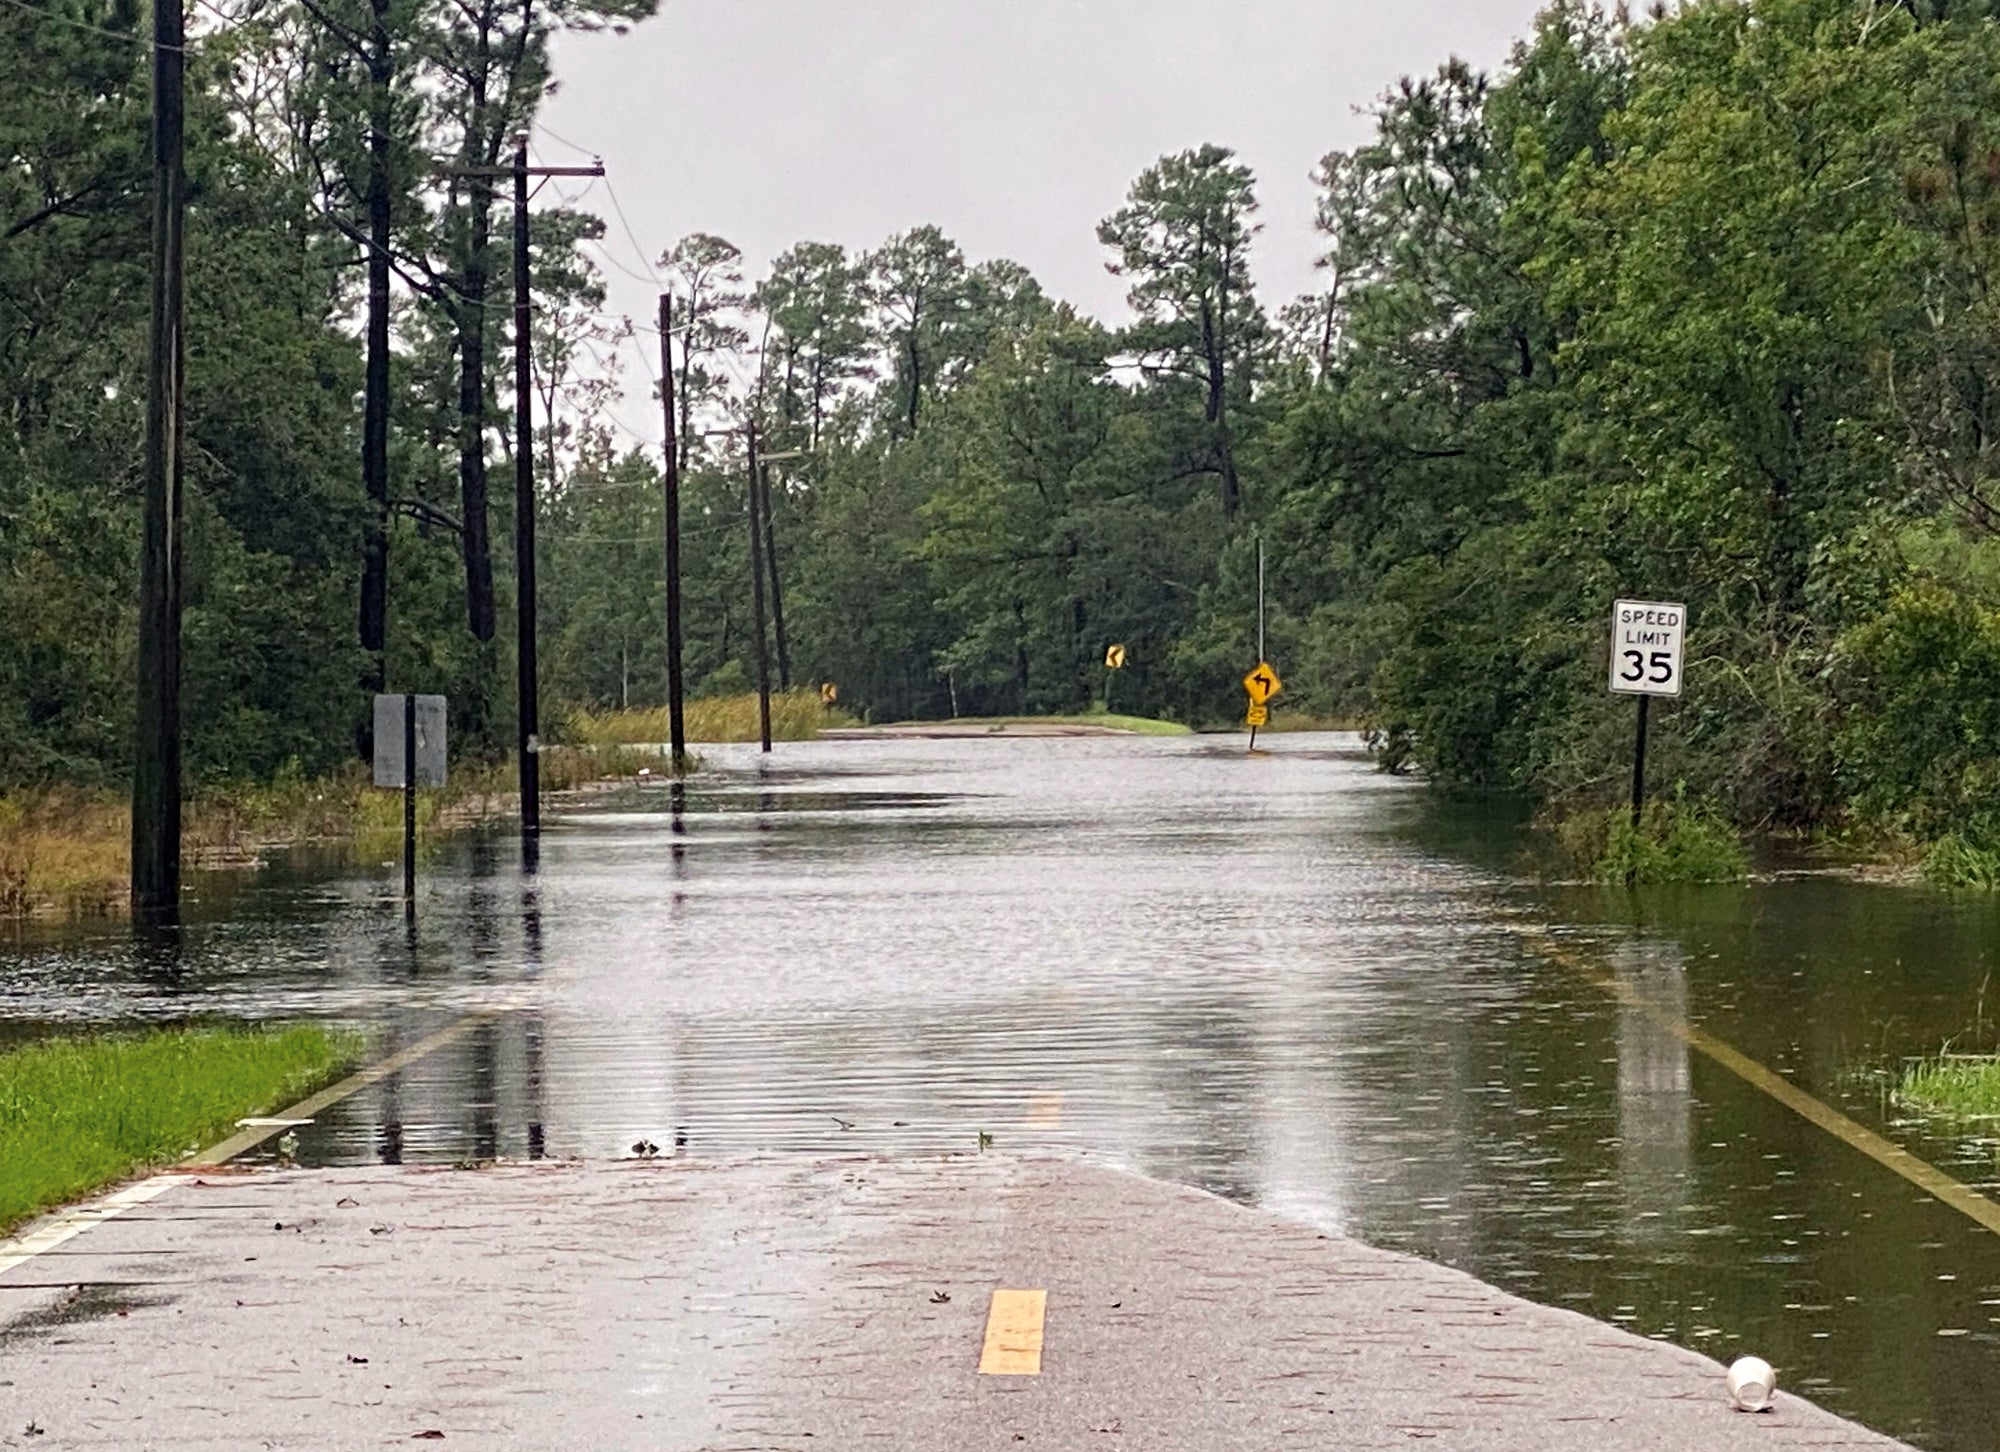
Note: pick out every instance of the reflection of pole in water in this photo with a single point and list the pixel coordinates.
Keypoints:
(162, 961)
(677, 825)
(1655, 1089)
(531, 931)
(531, 1024)
(531, 1035)
(389, 1115)
(1300, 1161)
(485, 1055)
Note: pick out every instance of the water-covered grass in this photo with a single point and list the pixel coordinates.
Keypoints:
(65, 852)
(1953, 1086)
(79, 1114)
(1952, 861)
(1674, 841)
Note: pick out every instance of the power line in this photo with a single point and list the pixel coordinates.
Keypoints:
(626, 270)
(561, 140)
(633, 237)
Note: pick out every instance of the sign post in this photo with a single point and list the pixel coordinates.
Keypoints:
(1648, 638)
(1114, 662)
(1261, 685)
(409, 753)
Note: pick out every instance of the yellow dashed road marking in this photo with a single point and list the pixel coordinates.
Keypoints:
(1014, 1334)
(1045, 1111)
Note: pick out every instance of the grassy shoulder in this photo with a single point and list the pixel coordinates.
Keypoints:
(1953, 1086)
(795, 716)
(1102, 720)
(79, 1114)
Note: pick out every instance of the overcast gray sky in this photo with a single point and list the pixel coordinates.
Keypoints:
(1013, 124)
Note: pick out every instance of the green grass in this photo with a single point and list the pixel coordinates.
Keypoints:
(1951, 861)
(1675, 841)
(1953, 1086)
(79, 1114)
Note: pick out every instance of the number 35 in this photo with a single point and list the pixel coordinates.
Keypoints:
(1659, 670)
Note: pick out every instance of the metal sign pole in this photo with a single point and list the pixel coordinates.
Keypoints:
(410, 808)
(1639, 764)
(1260, 598)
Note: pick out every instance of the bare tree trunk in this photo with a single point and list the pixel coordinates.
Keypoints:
(916, 366)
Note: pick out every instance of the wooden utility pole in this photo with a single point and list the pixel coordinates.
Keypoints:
(156, 772)
(676, 685)
(777, 591)
(527, 690)
(375, 393)
(757, 596)
(527, 681)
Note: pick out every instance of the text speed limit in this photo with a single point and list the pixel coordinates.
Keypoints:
(1647, 637)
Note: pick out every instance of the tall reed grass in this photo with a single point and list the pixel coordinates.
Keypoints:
(795, 716)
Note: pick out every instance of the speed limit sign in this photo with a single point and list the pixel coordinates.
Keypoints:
(1646, 641)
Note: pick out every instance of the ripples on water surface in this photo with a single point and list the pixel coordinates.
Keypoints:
(1285, 978)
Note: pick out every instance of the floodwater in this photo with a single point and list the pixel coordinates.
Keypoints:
(1282, 977)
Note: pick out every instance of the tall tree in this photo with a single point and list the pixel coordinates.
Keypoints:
(1183, 240)
(819, 315)
(918, 284)
(705, 275)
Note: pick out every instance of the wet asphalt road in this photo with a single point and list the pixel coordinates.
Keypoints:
(793, 1303)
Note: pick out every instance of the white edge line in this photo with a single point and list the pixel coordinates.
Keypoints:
(72, 1223)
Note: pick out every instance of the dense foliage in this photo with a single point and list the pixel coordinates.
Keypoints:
(1696, 306)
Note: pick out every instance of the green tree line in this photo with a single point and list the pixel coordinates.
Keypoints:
(1691, 305)
(346, 309)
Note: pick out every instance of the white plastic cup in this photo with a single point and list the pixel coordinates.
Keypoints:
(1751, 1383)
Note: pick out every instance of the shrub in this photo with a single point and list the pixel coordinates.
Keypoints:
(1674, 841)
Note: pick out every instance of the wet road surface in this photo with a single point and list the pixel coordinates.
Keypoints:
(787, 1303)
(1284, 978)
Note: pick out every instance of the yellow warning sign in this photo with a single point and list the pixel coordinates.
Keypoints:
(1262, 684)
(829, 693)
(1114, 658)
(1258, 715)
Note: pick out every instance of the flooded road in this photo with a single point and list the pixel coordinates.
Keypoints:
(1285, 978)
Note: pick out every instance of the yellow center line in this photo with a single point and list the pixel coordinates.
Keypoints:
(1045, 1111)
(1014, 1334)
(1921, 1173)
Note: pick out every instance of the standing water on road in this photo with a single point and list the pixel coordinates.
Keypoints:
(1283, 977)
